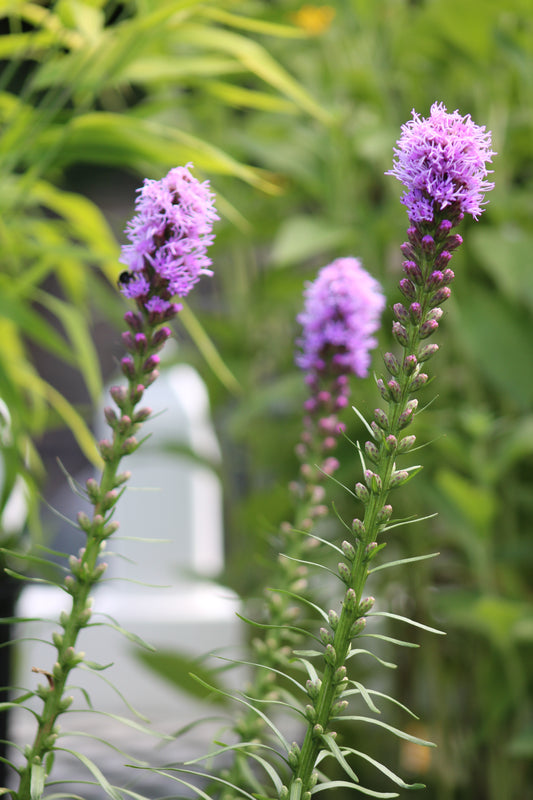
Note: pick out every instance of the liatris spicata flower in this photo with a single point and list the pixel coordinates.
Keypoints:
(342, 312)
(169, 237)
(442, 162)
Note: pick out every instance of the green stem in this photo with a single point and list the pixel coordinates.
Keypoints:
(388, 431)
(86, 572)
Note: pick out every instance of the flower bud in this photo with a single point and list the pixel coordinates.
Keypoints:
(330, 655)
(344, 573)
(407, 288)
(413, 271)
(372, 451)
(428, 244)
(400, 334)
(405, 444)
(127, 366)
(381, 419)
(428, 328)
(313, 688)
(398, 478)
(373, 481)
(418, 382)
(358, 528)
(395, 391)
(361, 492)
(384, 392)
(391, 443)
(349, 550)
(440, 296)
(384, 514)
(357, 628)
(333, 619)
(350, 601)
(426, 352)
(391, 362)
(326, 637)
(406, 416)
(401, 313)
(410, 364)
(366, 605)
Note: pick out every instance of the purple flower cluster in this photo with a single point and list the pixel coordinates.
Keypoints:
(342, 311)
(169, 236)
(442, 162)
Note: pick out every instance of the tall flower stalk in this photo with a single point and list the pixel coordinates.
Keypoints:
(169, 237)
(442, 162)
(342, 311)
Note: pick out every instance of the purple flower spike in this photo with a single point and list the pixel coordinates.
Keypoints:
(442, 162)
(342, 310)
(169, 237)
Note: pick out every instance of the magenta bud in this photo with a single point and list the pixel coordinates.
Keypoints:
(127, 341)
(418, 381)
(407, 250)
(407, 288)
(141, 343)
(435, 313)
(372, 451)
(413, 271)
(142, 415)
(381, 418)
(440, 296)
(376, 431)
(445, 227)
(428, 327)
(128, 367)
(344, 574)
(129, 445)
(361, 492)
(447, 276)
(366, 605)
(110, 415)
(407, 415)
(150, 377)
(349, 550)
(373, 481)
(391, 443)
(384, 392)
(413, 235)
(454, 241)
(384, 514)
(398, 478)
(427, 351)
(435, 280)
(428, 244)
(443, 259)
(310, 404)
(391, 362)
(327, 424)
(341, 402)
(415, 310)
(137, 393)
(395, 390)
(329, 443)
(119, 395)
(324, 397)
(160, 336)
(410, 363)
(400, 312)
(400, 334)
(106, 449)
(151, 363)
(406, 444)
(134, 321)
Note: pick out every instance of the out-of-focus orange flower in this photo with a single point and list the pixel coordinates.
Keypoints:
(314, 19)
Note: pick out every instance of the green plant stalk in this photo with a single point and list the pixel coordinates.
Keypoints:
(85, 569)
(387, 432)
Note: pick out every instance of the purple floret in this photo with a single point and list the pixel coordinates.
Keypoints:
(169, 237)
(342, 311)
(442, 162)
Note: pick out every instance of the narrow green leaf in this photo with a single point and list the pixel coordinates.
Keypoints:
(95, 771)
(385, 770)
(360, 651)
(332, 745)
(403, 561)
(176, 668)
(385, 638)
(257, 711)
(209, 351)
(400, 734)
(374, 692)
(301, 599)
(390, 615)
(321, 787)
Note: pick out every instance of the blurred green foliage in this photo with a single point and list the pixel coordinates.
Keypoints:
(303, 105)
